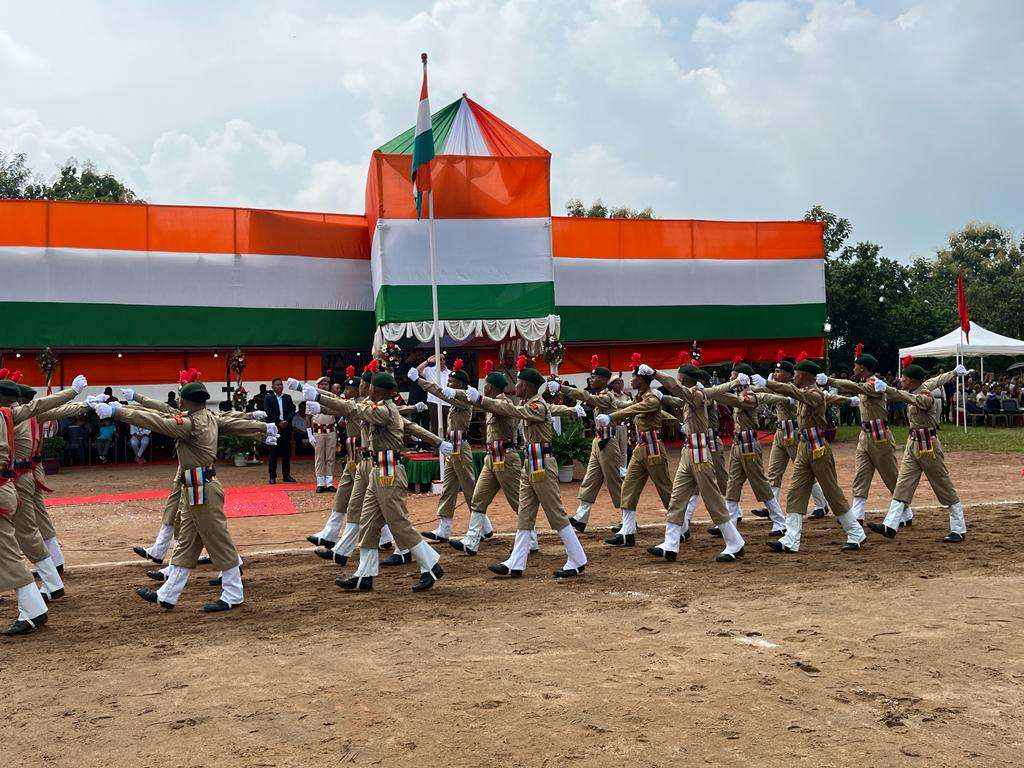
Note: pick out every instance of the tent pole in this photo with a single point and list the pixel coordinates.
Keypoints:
(962, 380)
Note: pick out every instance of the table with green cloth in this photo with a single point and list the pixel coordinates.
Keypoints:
(425, 468)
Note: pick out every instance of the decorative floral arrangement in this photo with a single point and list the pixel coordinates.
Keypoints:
(239, 398)
(237, 362)
(48, 362)
(554, 352)
(391, 357)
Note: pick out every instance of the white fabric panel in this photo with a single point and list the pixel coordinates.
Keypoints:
(533, 329)
(982, 342)
(469, 251)
(675, 282)
(85, 275)
(464, 137)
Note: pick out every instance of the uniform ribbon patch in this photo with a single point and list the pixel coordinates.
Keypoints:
(789, 430)
(652, 447)
(496, 450)
(924, 441)
(387, 466)
(535, 460)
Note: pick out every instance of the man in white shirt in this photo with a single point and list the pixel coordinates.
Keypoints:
(140, 442)
(431, 374)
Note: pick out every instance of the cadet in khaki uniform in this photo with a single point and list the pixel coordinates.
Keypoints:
(605, 451)
(923, 454)
(785, 442)
(14, 575)
(502, 468)
(458, 469)
(203, 523)
(695, 474)
(538, 482)
(717, 449)
(387, 486)
(648, 460)
(322, 434)
(814, 459)
(876, 448)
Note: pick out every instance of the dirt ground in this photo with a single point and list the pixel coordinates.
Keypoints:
(906, 653)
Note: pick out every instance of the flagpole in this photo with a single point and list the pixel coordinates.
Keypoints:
(962, 380)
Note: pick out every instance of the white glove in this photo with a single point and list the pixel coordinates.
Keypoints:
(310, 436)
(880, 386)
(448, 392)
(258, 415)
(603, 420)
(758, 380)
(79, 384)
(855, 401)
(413, 374)
(293, 384)
(128, 394)
(743, 379)
(89, 400)
(272, 434)
(645, 370)
(473, 394)
(960, 370)
(445, 448)
(657, 393)
(791, 401)
(313, 408)
(104, 410)
(420, 406)
(821, 379)
(580, 411)
(700, 385)
(553, 386)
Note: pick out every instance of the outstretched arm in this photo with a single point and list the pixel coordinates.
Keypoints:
(40, 405)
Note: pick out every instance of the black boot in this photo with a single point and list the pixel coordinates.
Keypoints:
(714, 532)
(431, 536)
(386, 547)
(150, 596)
(850, 547)
(569, 573)
(204, 560)
(726, 557)
(622, 540)
(778, 546)
(616, 528)
(356, 583)
(24, 626)
(220, 605)
(330, 489)
(488, 535)
(762, 512)
(954, 538)
(882, 528)
(330, 554)
(428, 578)
(141, 552)
(157, 576)
(316, 541)
(581, 527)
(665, 554)
(319, 489)
(461, 547)
(503, 570)
(397, 559)
(818, 513)
(57, 594)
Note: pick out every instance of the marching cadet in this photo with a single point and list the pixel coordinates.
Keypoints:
(648, 460)
(32, 611)
(876, 448)
(605, 451)
(616, 386)
(502, 468)
(923, 453)
(322, 434)
(387, 486)
(716, 447)
(785, 442)
(814, 459)
(203, 523)
(695, 473)
(458, 468)
(538, 483)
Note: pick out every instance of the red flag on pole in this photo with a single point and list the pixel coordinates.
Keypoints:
(961, 304)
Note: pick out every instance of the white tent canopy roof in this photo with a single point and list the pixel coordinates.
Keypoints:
(983, 342)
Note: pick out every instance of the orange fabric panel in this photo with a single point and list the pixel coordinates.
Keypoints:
(373, 200)
(724, 240)
(308, 234)
(467, 187)
(191, 229)
(502, 138)
(666, 356)
(586, 238)
(98, 225)
(790, 240)
(23, 222)
(107, 369)
(32, 375)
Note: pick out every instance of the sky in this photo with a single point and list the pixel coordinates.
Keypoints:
(906, 117)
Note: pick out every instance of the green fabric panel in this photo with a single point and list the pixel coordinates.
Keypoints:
(441, 123)
(423, 150)
(428, 470)
(41, 324)
(581, 324)
(405, 303)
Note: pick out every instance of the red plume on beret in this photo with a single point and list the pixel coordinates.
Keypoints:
(488, 366)
(520, 362)
(635, 359)
(350, 371)
(457, 365)
(737, 360)
(905, 361)
(16, 376)
(4, 372)
(801, 357)
(188, 376)
(780, 356)
(857, 350)
(374, 365)
(684, 357)
(594, 360)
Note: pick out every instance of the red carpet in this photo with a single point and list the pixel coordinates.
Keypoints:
(239, 500)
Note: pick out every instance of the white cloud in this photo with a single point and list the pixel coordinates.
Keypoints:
(18, 55)
(334, 186)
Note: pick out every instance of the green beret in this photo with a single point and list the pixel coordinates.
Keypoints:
(808, 366)
(868, 361)
(532, 375)
(384, 381)
(497, 380)
(461, 375)
(744, 368)
(9, 388)
(194, 392)
(692, 371)
(27, 393)
(784, 365)
(602, 371)
(914, 371)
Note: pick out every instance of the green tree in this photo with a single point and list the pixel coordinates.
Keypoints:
(837, 229)
(87, 184)
(599, 210)
(15, 176)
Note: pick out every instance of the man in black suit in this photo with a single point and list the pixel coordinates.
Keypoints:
(280, 410)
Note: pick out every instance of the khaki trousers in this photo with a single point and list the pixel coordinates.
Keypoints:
(24, 518)
(14, 574)
(637, 473)
(779, 459)
(491, 481)
(458, 476)
(692, 479)
(385, 505)
(933, 467)
(721, 474)
(874, 457)
(43, 521)
(603, 469)
(357, 497)
(807, 469)
(747, 468)
(542, 492)
(324, 453)
(172, 508)
(205, 525)
(344, 492)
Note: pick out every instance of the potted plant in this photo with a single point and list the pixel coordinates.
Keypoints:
(53, 449)
(238, 448)
(568, 447)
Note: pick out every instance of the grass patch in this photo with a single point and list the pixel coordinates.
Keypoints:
(954, 439)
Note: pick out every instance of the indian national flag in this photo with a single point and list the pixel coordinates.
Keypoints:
(423, 146)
